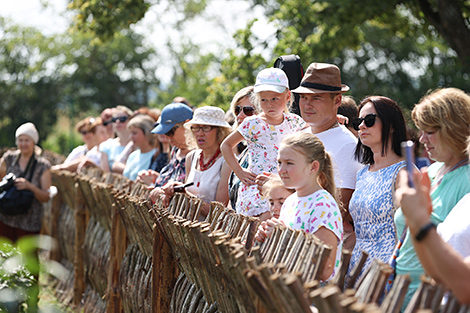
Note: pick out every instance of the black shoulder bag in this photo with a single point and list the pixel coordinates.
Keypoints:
(12, 200)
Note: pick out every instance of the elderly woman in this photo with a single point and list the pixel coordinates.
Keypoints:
(208, 129)
(381, 129)
(443, 119)
(22, 163)
(140, 127)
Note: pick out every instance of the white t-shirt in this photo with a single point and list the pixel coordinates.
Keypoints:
(76, 153)
(340, 143)
(455, 230)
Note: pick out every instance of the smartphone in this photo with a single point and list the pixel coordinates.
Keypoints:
(407, 151)
(181, 188)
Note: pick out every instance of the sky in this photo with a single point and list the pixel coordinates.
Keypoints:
(213, 31)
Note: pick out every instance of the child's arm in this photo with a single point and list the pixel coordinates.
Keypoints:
(245, 175)
(328, 237)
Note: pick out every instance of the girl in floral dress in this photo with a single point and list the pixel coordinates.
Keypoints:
(305, 166)
(263, 134)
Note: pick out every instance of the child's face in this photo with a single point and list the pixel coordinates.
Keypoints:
(277, 196)
(273, 104)
(295, 171)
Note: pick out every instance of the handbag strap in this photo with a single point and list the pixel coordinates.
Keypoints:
(29, 168)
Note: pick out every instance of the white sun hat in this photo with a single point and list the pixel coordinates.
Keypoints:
(208, 115)
(271, 79)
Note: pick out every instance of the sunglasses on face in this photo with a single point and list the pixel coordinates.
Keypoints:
(121, 119)
(369, 121)
(83, 132)
(205, 128)
(106, 123)
(248, 111)
(171, 132)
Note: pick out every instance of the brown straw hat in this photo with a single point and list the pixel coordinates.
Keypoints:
(321, 78)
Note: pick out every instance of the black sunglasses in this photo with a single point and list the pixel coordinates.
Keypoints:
(249, 111)
(106, 123)
(121, 119)
(171, 132)
(369, 121)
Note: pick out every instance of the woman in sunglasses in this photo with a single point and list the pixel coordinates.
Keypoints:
(381, 129)
(114, 147)
(242, 107)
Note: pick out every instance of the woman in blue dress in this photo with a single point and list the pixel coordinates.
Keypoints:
(381, 129)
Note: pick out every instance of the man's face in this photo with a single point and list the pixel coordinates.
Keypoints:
(318, 108)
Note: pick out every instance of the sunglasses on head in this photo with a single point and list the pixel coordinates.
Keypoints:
(121, 119)
(171, 132)
(248, 111)
(369, 121)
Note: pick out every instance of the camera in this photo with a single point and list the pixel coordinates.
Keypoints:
(7, 181)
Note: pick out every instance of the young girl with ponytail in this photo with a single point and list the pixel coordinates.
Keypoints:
(305, 166)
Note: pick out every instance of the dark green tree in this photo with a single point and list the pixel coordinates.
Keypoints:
(30, 80)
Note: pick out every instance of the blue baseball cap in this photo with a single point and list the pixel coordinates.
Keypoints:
(171, 115)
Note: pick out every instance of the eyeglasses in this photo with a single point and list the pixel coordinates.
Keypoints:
(106, 123)
(369, 121)
(249, 111)
(171, 132)
(204, 128)
(121, 119)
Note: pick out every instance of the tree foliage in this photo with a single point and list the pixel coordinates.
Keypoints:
(41, 76)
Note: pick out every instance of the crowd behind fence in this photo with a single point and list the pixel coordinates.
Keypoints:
(125, 254)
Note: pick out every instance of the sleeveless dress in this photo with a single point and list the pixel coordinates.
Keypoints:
(372, 210)
(205, 182)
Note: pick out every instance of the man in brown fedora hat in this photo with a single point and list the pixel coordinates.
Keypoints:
(320, 96)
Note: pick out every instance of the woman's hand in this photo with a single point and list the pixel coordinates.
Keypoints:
(22, 183)
(246, 176)
(147, 177)
(169, 191)
(415, 203)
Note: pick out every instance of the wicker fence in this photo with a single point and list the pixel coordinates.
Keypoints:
(127, 255)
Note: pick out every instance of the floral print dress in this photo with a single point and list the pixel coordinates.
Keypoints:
(263, 145)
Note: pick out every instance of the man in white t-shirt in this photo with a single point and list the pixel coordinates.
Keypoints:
(320, 96)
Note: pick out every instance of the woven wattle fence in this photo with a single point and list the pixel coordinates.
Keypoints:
(127, 255)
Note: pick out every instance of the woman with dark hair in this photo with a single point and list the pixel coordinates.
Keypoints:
(381, 129)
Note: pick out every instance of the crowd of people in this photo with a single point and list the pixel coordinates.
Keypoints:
(336, 171)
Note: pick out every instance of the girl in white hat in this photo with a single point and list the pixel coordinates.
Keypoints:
(263, 134)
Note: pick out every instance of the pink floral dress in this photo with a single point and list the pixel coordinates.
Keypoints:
(263, 145)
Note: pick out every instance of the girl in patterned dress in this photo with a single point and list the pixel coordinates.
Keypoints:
(305, 166)
(263, 134)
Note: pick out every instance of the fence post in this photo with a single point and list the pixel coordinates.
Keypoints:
(117, 250)
(164, 273)
(80, 213)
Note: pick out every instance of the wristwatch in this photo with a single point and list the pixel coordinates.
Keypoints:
(424, 231)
